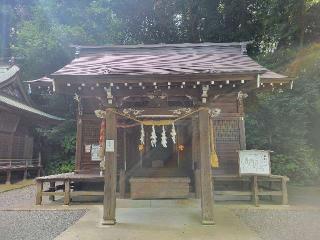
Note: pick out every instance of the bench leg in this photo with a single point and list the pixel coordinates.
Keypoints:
(254, 185)
(52, 188)
(8, 180)
(270, 188)
(25, 174)
(39, 185)
(67, 192)
(39, 172)
(284, 191)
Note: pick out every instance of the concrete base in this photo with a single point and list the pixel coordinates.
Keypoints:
(159, 223)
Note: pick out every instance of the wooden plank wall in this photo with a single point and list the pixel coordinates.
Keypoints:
(228, 138)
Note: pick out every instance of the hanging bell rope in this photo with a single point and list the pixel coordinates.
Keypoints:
(213, 154)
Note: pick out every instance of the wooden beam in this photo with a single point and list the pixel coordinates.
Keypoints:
(207, 199)
(110, 175)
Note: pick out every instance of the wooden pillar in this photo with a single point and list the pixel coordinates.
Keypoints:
(39, 185)
(110, 175)
(254, 185)
(195, 156)
(122, 183)
(52, 188)
(66, 199)
(207, 200)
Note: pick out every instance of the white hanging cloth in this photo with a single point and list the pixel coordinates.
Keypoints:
(153, 137)
(142, 135)
(163, 138)
(173, 133)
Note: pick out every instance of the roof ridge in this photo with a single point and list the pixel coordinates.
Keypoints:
(161, 45)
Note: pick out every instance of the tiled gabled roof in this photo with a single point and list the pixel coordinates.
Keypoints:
(223, 58)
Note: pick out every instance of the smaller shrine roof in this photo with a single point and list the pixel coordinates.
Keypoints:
(18, 105)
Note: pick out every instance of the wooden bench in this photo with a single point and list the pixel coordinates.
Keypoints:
(67, 179)
(255, 191)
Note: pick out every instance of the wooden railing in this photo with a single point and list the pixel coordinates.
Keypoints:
(16, 163)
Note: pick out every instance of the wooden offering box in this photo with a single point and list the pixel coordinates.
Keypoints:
(159, 188)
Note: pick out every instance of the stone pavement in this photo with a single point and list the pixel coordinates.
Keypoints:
(153, 220)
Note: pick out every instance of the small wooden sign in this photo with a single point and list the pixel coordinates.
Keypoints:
(254, 162)
(87, 148)
(109, 145)
(95, 148)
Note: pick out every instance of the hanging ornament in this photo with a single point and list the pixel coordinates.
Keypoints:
(142, 135)
(163, 138)
(173, 133)
(153, 137)
(181, 148)
(141, 147)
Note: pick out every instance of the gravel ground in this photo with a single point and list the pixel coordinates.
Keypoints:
(282, 224)
(36, 225)
(19, 198)
(33, 224)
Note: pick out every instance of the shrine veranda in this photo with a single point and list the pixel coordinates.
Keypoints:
(161, 121)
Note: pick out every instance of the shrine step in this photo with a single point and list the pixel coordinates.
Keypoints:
(163, 203)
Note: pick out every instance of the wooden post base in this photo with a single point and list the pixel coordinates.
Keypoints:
(108, 222)
(205, 222)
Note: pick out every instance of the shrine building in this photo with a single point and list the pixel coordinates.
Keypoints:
(158, 121)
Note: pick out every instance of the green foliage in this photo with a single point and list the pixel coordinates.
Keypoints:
(59, 144)
(38, 33)
(288, 122)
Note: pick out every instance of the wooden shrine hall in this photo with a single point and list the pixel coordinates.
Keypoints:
(18, 118)
(158, 121)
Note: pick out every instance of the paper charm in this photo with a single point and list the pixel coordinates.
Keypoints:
(163, 138)
(153, 137)
(173, 133)
(142, 135)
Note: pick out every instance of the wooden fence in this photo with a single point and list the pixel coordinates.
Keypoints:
(10, 165)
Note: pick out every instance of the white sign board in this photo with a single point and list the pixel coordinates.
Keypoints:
(254, 162)
(109, 145)
(95, 149)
